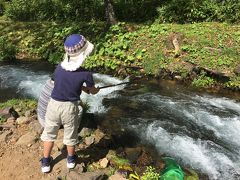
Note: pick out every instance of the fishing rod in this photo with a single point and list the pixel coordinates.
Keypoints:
(126, 81)
(113, 85)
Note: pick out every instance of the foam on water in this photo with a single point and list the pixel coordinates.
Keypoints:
(218, 157)
(95, 101)
(30, 83)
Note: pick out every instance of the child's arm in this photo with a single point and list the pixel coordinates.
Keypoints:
(90, 90)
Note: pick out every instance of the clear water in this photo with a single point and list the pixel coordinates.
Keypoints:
(200, 130)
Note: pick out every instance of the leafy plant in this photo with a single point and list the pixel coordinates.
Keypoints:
(150, 174)
(203, 81)
(7, 50)
(23, 104)
(234, 83)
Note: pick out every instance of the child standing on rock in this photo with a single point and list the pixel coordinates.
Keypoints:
(63, 108)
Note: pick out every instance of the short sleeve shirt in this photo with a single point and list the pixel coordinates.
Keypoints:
(68, 84)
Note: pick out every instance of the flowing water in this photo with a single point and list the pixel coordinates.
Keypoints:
(200, 130)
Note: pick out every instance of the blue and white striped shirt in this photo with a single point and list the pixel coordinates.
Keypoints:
(44, 100)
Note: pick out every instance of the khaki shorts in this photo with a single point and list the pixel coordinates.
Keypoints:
(62, 113)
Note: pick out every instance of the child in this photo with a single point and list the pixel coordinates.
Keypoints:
(63, 105)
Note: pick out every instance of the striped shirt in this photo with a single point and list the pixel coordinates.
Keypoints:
(44, 100)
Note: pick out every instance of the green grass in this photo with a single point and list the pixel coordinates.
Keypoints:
(214, 46)
(22, 104)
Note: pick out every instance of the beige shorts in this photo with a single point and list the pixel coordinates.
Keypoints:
(62, 113)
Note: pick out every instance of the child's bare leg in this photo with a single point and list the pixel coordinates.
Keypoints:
(47, 148)
(71, 150)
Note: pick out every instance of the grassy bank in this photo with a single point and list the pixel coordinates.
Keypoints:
(204, 54)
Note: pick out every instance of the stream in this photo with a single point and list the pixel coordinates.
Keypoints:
(200, 130)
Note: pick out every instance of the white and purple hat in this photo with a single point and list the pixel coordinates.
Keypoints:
(77, 49)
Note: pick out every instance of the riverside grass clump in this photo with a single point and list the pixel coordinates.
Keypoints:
(7, 50)
(136, 48)
(21, 104)
(150, 174)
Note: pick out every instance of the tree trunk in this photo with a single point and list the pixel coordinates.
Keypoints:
(109, 13)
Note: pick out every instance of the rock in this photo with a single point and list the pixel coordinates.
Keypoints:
(23, 120)
(26, 139)
(8, 112)
(28, 113)
(145, 159)
(89, 140)
(98, 135)
(4, 136)
(11, 120)
(36, 127)
(97, 175)
(133, 154)
(80, 167)
(178, 77)
(85, 132)
(111, 154)
(117, 176)
(103, 162)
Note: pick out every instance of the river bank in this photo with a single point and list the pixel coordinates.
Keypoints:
(101, 155)
(202, 55)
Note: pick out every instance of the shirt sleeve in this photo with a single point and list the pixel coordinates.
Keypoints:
(89, 80)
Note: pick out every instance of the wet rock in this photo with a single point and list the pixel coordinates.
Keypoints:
(88, 121)
(133, 154)
(27, 139)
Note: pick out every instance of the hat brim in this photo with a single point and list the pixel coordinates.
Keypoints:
(74, 61)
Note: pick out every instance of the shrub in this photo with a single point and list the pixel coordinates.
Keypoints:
(188, 11)
(203, 81)
(7, 50)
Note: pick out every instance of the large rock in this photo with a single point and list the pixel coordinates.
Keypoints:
(36, 127)
(8, 112)
(117, 176)
(98, 135)
(23, 120)
(133, 154)
(27, 139)
(97, 175)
